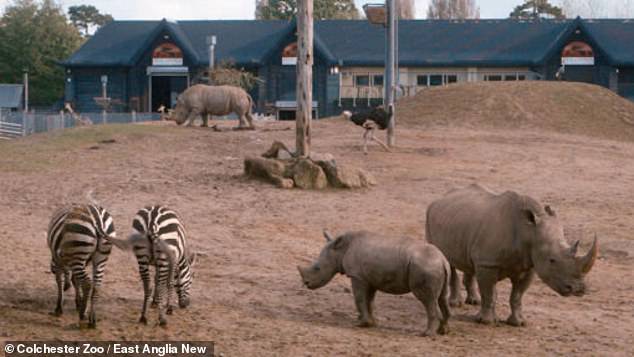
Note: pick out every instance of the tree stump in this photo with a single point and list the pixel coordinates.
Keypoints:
(280, 167)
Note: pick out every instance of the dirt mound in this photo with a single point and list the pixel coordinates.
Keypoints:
(565, 107)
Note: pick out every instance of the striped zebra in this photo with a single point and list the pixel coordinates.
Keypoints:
(159, 239)
(79, 235)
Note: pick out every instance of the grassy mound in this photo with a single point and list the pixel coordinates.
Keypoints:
(565, 107)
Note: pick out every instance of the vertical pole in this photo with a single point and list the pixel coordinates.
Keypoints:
(26, 91)
(389, 70)
(104, 95)
(304, 93)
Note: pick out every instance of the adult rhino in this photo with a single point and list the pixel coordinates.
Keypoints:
(494, 237)
(201, 100)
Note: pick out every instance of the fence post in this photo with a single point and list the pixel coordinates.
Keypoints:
(104, 117)
(134, 116)
(61, 116)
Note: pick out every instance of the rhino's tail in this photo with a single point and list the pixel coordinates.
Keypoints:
(443, 299)
(251, 103)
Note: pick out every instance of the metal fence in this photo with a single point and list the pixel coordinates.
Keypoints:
(16, 124)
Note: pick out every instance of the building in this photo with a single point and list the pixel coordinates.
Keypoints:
(143, 64)
(11, 97)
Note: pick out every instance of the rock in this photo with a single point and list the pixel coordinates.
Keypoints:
(284, 155)
(277, 149)
(345, 177)
(367, 179)
(308, 175)
(270, 170)
(316, 157)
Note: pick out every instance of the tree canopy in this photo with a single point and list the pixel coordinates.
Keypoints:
(36, 36)
(453, 9)
(537, 9)
(323, 9)
(86, 17)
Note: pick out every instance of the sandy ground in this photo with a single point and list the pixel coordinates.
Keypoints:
(247, 295)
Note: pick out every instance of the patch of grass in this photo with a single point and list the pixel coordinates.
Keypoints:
(42, 151)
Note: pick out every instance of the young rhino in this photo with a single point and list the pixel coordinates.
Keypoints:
(395, 266)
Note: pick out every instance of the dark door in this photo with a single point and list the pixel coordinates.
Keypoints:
(286, 83)
(160, 92)
(583, 74)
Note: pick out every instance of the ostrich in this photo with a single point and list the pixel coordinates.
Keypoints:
(370, 120)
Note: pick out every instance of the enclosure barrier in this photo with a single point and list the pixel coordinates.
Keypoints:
(18, 124)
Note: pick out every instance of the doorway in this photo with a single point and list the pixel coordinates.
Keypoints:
(165, 90)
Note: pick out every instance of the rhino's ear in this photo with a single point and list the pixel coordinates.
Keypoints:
(327, 235)
(339, 243)
(531, 217)
(550, 211)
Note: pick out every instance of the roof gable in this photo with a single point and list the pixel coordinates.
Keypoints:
(359, 43)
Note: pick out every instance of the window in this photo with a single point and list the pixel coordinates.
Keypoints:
(493, 78)
(435, 80)
(362, 81)
(377, 80)
(521, 77)
(422, 80)
(452, 78)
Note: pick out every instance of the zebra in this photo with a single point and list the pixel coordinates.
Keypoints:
(159, 239)
(77, 235)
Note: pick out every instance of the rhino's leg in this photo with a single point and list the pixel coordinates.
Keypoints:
(455, 298)
(520, 285)
(191, 117)
(205, 117)
(487, 278)
(429, 298)
(443, 302)
(362, 293)
(473, 297)
(249, 117)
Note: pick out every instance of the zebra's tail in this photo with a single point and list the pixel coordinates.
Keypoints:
(125, 244)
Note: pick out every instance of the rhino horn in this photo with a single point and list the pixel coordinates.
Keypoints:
(327, 235)
(574, 247)
(586, 262)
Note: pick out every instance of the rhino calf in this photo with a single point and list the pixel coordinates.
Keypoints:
(491, 237)
(202, 100)
(395, 266)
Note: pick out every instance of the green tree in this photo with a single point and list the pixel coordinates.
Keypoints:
(323, 9)
(537, 9)
(86, 17)
(36, 37)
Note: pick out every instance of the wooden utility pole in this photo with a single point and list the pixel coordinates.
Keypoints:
(304, 95)
(391, 78)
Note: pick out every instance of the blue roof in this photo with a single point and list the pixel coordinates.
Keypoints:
(11, 95)
(358, 43)
(615, 37)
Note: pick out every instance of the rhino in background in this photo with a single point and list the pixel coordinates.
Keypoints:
(494, 237)
(202, 100)
(395, 266)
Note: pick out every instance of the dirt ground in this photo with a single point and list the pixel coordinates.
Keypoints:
(247, 294)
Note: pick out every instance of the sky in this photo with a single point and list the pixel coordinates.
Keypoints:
(244, 9)
(233, 9)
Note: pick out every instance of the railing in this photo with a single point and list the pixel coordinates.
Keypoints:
(17, 124)
(368, 96)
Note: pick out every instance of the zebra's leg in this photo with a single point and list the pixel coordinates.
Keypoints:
(144, 270)
(170, 291)
(163, 280)
(82, 289)
(98, 268)
(67, 277)
(156, 283)
(59, 276)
